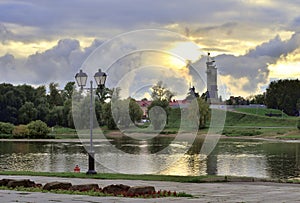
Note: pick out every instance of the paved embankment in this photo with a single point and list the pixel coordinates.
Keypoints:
(204, 192)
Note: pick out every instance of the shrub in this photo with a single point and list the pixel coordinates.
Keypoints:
(38, 129)
(20, 131)
(6, 128)
(298, 124)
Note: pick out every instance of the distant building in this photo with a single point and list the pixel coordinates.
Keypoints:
(192, 94)
(212, 86)
(144, 104)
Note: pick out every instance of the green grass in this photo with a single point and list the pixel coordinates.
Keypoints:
(62, 130)
(261, 111)
(241, 132)
(244, 124)
(242, 119)
(235, 122)
(146, 177)
(291, 137)
(114, 176)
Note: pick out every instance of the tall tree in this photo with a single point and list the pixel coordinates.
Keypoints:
(258, 99)
(283, 95)
(27, 113)
(161, 92)
(298, 106)
(68, 90)
(200, 110)
(126, 111)
(54, 98)
(157, 116)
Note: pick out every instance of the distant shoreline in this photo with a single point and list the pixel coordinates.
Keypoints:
(114, 135)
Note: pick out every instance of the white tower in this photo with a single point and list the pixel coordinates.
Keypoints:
(212, 86)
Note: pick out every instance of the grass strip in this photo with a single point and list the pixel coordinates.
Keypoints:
(147, 177)
(116, 176)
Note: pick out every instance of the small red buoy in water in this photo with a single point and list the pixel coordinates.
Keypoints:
(77, 169)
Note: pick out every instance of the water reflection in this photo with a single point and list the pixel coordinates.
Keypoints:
(230, 157)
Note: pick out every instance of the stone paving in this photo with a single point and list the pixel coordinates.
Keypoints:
(203, 192)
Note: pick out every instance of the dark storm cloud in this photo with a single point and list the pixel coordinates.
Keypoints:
(58, 17)
(254, 64)
(276, 47)
(210, 22)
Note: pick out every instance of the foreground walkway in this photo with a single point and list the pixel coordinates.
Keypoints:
(203, 192)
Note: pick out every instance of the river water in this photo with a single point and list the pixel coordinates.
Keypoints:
(239, 157)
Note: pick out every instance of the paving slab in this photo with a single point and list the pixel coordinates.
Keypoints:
(203, 192)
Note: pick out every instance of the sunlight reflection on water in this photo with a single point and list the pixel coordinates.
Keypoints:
(239, 158)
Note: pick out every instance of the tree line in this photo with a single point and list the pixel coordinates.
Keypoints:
(281, 94)
(22, 104)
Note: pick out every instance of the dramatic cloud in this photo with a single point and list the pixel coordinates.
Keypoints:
(253, 67)
(57, 64)
(47, 41)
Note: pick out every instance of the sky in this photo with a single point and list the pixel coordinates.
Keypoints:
(253, 42)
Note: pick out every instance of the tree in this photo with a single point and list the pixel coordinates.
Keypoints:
(68, 91)
(108, 117)
(6, 128)
(126, 111)
(199, 110)
(283, 95)
(159, 111)
(43, 110)
(55, 116)
(298, 106)
(160, 92)
(20, 131)
(38, 129)
(54, 98)
(257, 99)
(135, 111)
(67, 120)
(27, 113)
(106, 93)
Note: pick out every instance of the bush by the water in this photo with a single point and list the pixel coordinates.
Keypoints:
(20, 131)
(38, 129)
(6, 128)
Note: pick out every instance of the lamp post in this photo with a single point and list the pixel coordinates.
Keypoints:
(81, 79)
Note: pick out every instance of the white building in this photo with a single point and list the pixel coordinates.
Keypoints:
(212, 86)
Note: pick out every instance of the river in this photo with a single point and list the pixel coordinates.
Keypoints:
(238, 157)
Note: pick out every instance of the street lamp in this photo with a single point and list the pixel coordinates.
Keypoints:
(81, 79)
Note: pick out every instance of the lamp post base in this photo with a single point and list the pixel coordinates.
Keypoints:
(91, 170)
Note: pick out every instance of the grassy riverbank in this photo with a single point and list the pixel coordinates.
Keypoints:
(149, 177)
(246, 123)
(239, 123)
(117, 176)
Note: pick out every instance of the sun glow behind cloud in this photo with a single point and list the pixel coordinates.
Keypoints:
(23, 50)
(285, 70)
(187, 50)
(287, 66)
